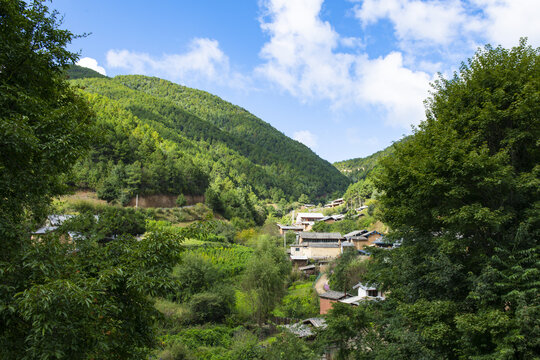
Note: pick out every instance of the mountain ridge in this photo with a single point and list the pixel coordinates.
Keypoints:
(222, 140)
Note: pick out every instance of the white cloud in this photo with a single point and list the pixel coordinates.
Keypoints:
(203, 61)
(90, 63)
(505, 21)
(299, 56)
(302, 56)
(429, 21)
(387, 83)
(455, 24)
(307, 138)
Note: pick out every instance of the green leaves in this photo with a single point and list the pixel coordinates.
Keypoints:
(462, 194)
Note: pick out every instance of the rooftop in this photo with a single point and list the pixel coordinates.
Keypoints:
(317, 235)
(333, 295)
(310, 215)
(290, 227)
(355, 233)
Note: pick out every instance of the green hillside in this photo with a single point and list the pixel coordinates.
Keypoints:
(359, 168)
(78, 72)
(157, 137)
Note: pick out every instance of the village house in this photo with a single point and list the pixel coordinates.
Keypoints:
(365, 292)
(52, 223)
(335, 203)
(306, 328)
(286, 228)
(363, 238)
(318, 246)
(307, 220)
(332, 218)
(373, 236)
(327, 300)
(308, 217)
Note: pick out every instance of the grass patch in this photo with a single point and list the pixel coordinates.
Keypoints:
(172, 310)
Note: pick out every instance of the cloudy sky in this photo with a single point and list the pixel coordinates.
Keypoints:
(345, 77)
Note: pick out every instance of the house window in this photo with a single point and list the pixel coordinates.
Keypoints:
(297, 249)
(372, 293)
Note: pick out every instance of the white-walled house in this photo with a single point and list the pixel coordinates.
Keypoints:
(307, 220)
(319, 246)
(365, 292)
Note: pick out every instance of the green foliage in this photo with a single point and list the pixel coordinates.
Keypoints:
(209, 230)
(346, 225)
(359, 192)
(265, 277)
(303, 199)
(194, 274)
(288, 347)
(231, 260)
(463, 195)
(112, 221)
(79, 72)
(44, 124)
(300, 302)
(347, 329)
(92, 302)
(364, 168)
(347, 271)
(212, 306)
(181, 200)
(159, 137)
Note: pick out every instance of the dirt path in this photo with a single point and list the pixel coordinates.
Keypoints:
(319, 285)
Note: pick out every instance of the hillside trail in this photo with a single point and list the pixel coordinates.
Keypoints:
(319, 285)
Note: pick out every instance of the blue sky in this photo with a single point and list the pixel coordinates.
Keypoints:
(347, 78)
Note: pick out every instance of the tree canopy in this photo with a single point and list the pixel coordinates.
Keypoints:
(463, 195)
(60, 298)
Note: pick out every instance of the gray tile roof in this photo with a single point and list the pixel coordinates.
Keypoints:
(323, 245)
(333, 295)
(357, 238)
(355, 233)
(316, 322)
(320, 236)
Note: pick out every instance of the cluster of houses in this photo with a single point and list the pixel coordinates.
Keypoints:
(305, 221)
(323, 247)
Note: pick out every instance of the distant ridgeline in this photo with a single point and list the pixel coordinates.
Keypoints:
(359, 168)
(157, 137)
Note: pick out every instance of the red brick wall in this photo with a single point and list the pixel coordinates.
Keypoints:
(325, 305)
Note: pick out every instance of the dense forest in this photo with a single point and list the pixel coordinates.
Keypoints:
(460, 199)
(154, 136)
(361, 168)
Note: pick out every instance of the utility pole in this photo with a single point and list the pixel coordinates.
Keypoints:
(137, 201)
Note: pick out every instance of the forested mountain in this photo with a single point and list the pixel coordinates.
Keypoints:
(359, 168)
(155, 136)
(78, 72)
